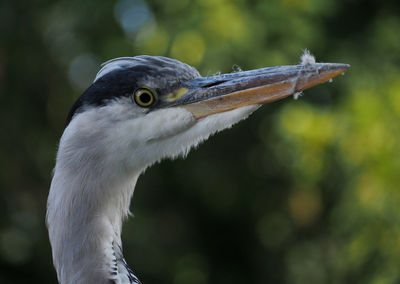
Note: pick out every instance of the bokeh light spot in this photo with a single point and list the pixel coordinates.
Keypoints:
(304, 206)
(371, 192)
(189, 47)
(225, 22)
(82, 71)
(132, 15)
(152, 40)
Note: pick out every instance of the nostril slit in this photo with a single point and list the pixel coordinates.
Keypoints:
(214, 84)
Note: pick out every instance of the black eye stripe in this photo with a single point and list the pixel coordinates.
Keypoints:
(124, 80)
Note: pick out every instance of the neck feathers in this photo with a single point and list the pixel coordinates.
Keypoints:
(86, 207)
(101, 154)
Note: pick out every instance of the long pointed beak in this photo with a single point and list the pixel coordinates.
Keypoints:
(205, 96)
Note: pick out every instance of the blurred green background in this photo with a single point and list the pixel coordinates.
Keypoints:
(304, 191)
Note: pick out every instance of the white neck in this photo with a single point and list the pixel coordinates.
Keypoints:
(88, 200)
(85, 232)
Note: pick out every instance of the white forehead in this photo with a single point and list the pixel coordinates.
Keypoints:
(115, 64)
(162, 65)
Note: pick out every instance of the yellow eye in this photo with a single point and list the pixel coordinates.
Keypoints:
(144, 97)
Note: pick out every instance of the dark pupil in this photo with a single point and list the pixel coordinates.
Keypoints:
(145, 98)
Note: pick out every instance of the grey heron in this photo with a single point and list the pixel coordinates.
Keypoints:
(138, 111)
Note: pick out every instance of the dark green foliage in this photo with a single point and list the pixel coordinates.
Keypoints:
(304, 191)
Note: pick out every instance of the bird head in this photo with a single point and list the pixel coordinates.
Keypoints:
(137, 111)
(141, 109)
